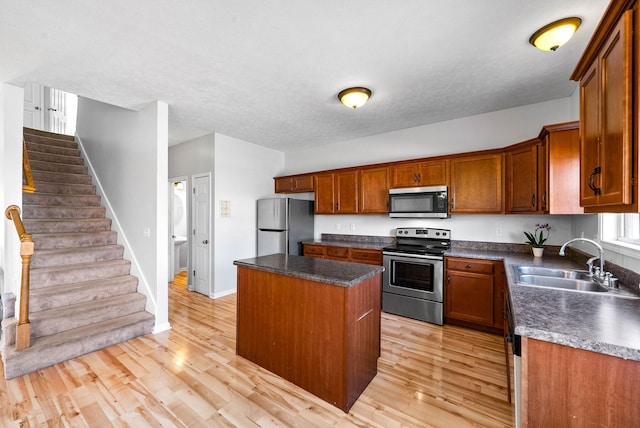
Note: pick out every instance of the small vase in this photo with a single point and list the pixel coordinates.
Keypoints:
(537, 252)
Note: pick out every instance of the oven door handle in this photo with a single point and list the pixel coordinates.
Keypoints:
(413, 256)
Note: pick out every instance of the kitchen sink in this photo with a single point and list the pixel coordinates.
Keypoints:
(561, 282)
(554, 273)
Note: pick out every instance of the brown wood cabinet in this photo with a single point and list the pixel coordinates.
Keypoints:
(356, 255)
(577, 388)
(608, 96)
(374, 191)
(474, 291)
(415, 174)
(294, 184)
(523, 192)
(561, 182)
(333, 350)
(336, 192)
(476, 184)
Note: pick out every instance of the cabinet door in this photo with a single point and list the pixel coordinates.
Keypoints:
(469, 297)
(374, 191)
(346, 197)
(476, 184)
(405, 175)
(563, 176)
(433, 173)
(371, 257)
(311, 250)
(303, 183)
(337, 253)
(522, 179)
(589, 136)
(324, 194)
(283, 184)
(615, 116)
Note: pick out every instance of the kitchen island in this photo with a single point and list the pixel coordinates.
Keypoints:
(312, 321)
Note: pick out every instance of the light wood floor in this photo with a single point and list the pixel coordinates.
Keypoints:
(428, 376)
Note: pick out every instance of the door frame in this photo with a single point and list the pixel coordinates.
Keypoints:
(187, 186)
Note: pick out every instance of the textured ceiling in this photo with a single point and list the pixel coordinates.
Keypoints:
(268, 72)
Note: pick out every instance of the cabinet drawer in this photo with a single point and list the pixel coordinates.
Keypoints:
(373, 257)
(470, 265)
(338, 252)
(314, 250)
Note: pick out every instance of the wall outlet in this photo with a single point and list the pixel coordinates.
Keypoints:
(146, 232)
(337, 226)
(498, 231)
(353, 226)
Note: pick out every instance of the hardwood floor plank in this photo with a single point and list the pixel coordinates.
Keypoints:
(190, 376)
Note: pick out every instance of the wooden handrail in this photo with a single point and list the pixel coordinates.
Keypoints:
(23, 330)
(28, 184)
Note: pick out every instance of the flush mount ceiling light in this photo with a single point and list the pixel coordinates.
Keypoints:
(354, 97)
(552, 36)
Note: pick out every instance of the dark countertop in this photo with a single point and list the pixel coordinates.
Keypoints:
(597, 322)
(364, 242)
(349, 244)
(344, 274)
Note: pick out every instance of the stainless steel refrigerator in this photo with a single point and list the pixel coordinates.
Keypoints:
(283, 223)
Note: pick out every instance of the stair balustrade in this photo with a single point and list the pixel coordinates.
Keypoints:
(23, 330)
(28, 185)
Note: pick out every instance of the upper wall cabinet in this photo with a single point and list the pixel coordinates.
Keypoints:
(416, 174)
(608, 96)
(294, 184)
(336, 192)
(374, 191)
(524, 169)
(476, 184)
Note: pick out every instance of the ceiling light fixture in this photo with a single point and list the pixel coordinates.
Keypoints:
(354, 97)
(552, 36)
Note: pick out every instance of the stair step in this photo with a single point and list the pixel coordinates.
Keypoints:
(44, 148)
(40, 198)
(65, 188)
(60, 177)
(61, 212)
(51, 157)
(54, 297)
(35, 225)
(72, 256)
(46, 351)
(62, 275)
(66, 168)
(49, 141)
(32, 131)
(49, 241)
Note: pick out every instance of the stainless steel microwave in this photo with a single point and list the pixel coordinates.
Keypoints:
(419, 202)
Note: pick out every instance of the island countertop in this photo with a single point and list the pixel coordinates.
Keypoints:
(344, 274)
(597, 322)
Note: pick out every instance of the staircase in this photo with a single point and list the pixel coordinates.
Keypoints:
(82, 296)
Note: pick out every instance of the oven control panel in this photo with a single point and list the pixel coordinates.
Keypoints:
(416, 232)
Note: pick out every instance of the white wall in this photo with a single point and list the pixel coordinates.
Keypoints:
(243, 174)
(11, 107)
(127, 151)
(484, 131)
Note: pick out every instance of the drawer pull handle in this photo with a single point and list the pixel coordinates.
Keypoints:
(469, 266)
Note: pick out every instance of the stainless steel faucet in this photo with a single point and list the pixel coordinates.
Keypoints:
(591, 260)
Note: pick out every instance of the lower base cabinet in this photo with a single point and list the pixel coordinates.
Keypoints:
(474, 293)
(356, 255)
(568, 387)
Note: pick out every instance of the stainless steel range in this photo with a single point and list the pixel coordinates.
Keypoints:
(413, 278)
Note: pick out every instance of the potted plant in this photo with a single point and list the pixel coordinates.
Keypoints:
(537, 239)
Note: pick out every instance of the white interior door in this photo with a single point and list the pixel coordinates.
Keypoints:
(56, 114)
(33, 115)
(201, 233)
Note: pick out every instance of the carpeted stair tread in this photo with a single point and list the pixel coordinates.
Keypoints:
(71, 256)
(49, 241)
(38, 132)
(42, 225)
(46, 351)
(50, 141)
(56, 150)
(56, 320)
(65, 188)
(52, 157)
(61, 275)
(61, 212)
(37, 165)
(42, 299)
(39, 198)
(60, 177)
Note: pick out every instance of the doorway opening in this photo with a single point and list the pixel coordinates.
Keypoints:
(178, 231)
